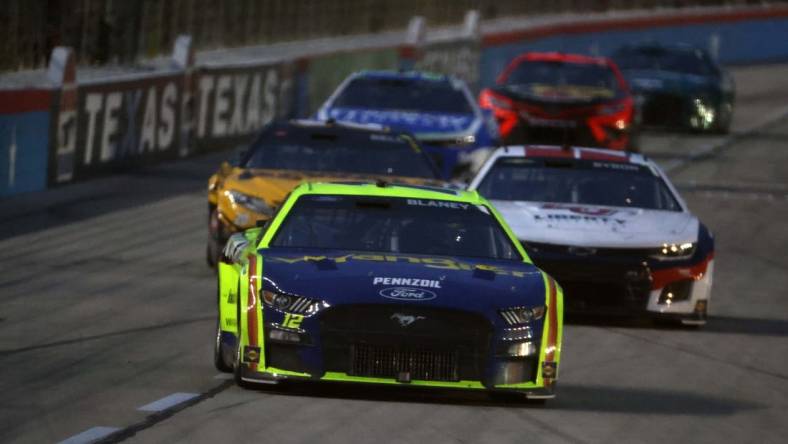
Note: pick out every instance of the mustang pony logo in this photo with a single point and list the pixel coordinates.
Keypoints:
(405, 320)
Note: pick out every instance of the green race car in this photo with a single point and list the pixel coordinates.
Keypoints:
(383, 284)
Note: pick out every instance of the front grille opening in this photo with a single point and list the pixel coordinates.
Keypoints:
(389, 362)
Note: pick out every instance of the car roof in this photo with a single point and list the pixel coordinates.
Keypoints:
(561, 57)
(573, 152)
(385, 189)
(332, 125)
(406, 75)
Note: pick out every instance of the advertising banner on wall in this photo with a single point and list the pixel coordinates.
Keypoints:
(119, 124)
(233, 103)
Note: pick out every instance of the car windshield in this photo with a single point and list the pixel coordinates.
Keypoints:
(677, 60)
(563, 80)
(395, 225)
(577, 181)
(339, 151)
(404, 94)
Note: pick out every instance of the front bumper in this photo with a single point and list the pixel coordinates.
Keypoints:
(624, 282)
(355, 344)
(592, 131)
(275, 376)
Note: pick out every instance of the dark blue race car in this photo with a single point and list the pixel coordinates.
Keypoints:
(678, 86)
(384, 284)
(438, 110)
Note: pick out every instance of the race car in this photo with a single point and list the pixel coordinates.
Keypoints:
(678, 86)
(609, 226)
(284, 154)
(387, 284)
(438, 110)
(563, 99)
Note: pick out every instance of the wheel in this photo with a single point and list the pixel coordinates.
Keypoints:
(219, 352)
(212, 247)
(724, 119)
(219, 349)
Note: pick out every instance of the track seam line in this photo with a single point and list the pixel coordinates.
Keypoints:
(157, 417)
(687, 351)
(713, 149)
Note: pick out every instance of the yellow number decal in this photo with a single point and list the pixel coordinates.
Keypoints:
(292, 320)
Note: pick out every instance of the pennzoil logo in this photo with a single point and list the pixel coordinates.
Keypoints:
(407, 294)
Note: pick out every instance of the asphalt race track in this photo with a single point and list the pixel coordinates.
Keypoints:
(107, 306)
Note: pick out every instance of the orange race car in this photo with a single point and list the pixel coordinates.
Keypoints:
(287, 153)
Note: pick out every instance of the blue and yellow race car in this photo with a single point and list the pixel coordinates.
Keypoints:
(387, 284)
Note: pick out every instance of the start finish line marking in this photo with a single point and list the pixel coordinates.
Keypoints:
(168, 402)
(90, 435)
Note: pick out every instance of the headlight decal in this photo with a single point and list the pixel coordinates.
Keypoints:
(251, 203)
(662, 277)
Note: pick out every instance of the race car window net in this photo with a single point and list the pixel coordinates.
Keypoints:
(345, 151)
(415, 95)
(562, 81)
(394, 225)
(577, 181)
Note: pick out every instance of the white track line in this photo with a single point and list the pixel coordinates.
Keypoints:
(168, 402)
(90, 435)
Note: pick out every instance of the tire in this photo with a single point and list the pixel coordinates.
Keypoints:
(218, 347)
(725, 113)
(219, 352)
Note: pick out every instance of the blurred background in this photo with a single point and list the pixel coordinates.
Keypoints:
(120, 31)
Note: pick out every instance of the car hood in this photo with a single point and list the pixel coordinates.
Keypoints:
(654, 80)
(597, 226)
(418, 123)
(341, 277)
(273, 185)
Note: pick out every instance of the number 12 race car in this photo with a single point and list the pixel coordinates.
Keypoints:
(383, 284)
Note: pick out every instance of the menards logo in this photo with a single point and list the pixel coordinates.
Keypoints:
(429, 262)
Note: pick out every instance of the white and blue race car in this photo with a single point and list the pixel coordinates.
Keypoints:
(608, 225)
(438, 110)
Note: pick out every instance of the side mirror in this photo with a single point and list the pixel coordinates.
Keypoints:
(234, 248)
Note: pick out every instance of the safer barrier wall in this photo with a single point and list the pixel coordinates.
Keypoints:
(735, 37)
(24, 140)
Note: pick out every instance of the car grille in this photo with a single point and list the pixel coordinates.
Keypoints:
(373, 340)
(605, 280)
(390, 362)
(664, 109)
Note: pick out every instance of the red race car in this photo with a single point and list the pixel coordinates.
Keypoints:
(564, 99)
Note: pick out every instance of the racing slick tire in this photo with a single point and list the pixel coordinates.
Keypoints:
(219, 348)
(724, 119)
